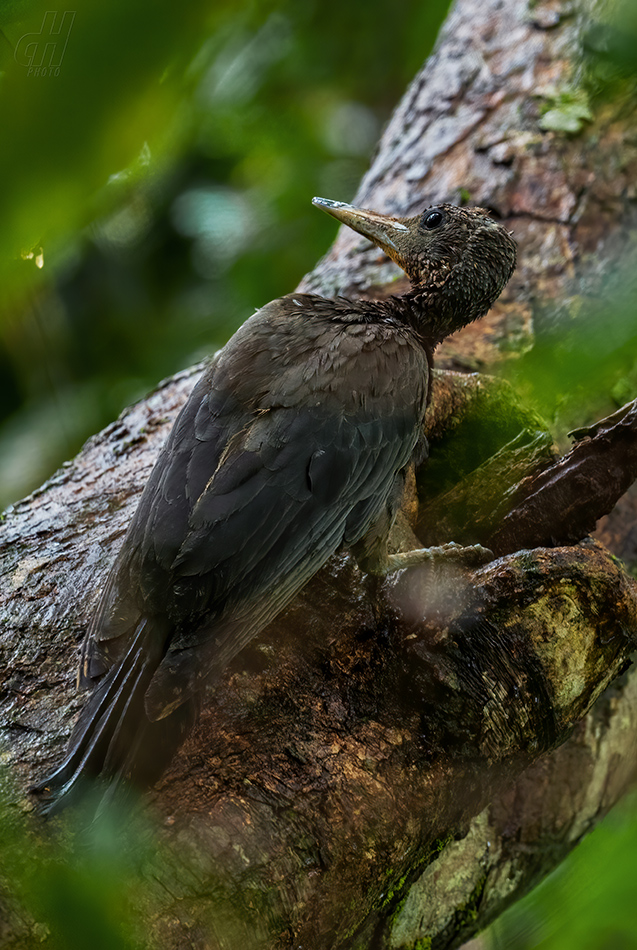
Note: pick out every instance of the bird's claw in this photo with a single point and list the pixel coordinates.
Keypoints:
(473, 555)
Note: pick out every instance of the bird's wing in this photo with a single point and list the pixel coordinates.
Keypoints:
(278, 505)
(139, 580)
(249, 499)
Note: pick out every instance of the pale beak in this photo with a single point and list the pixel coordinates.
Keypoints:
(382, 229)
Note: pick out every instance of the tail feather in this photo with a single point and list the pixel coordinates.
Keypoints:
(126, 728)
(114, 742)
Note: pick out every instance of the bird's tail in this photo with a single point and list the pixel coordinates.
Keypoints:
(114, 743)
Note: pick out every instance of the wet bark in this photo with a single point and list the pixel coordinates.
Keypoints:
(369, 771)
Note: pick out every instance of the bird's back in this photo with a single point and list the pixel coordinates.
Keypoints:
(286, 449)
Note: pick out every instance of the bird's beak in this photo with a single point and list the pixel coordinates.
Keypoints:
(382, 229)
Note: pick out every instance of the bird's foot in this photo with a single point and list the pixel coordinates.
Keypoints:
(473, 556)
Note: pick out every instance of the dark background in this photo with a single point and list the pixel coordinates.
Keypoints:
(165, 175)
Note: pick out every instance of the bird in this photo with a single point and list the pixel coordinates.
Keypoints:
(293, 445)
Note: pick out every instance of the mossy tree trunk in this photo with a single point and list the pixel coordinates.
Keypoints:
(368, 773)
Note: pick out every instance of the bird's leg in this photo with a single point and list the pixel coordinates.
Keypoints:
(371, 552)
(376, 561)
(472, 556)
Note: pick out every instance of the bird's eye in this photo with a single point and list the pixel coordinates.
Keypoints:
(432, 220)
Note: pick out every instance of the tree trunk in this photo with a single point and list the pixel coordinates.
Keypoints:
(368, 772)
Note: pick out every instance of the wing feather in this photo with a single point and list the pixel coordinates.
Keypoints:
(250, 496)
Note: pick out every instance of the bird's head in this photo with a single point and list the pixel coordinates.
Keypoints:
(458, 259)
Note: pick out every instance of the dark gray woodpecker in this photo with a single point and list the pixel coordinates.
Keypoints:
(293, 444)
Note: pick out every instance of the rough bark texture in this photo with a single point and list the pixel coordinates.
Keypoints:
(376, 770)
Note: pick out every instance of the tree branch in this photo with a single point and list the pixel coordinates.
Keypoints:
(366, 747)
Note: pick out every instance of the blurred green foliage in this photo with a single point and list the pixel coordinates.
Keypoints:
(583, 363)
(588, 903)
(74, 883)
(162, 175)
